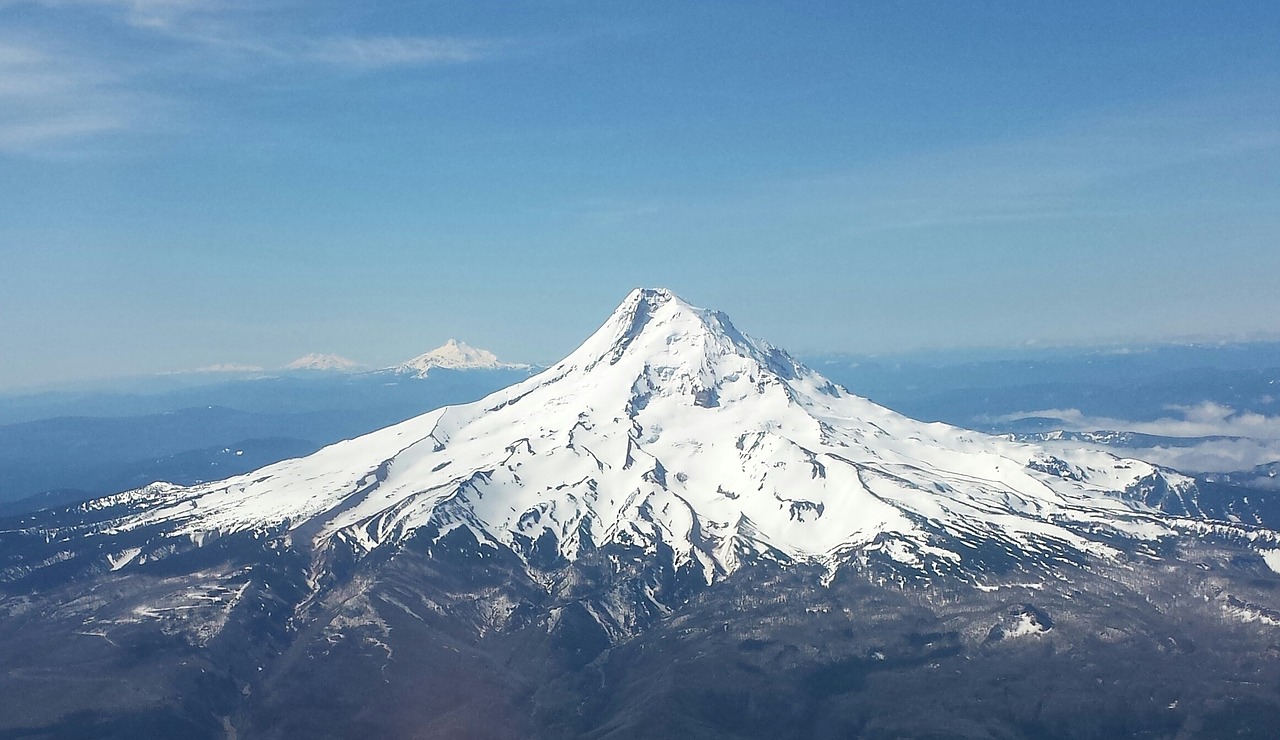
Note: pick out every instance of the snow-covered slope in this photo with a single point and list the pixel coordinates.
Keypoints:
(453, 355)
(671, 431)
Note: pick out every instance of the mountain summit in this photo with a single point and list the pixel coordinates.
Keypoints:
(675, 531)
(453, 355)
(325, 362)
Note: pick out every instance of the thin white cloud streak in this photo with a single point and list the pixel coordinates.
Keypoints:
(155, 15)
(43, 133)
(49, 98)
(1049, 175)
(1066, 171)
(395, 51)
(232, 25)
(53, 101)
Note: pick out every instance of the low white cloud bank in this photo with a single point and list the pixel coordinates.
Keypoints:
(1254, 439)
(1215, 456)
(1211, 456)
(1206, 419)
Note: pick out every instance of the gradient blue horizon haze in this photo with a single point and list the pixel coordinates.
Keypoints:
(184, 183)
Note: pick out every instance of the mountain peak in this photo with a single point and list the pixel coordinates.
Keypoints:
(453, 355)
(653, 296)
(655, 328)
(320, 361)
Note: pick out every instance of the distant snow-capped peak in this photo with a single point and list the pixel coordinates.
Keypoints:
(319, 361)
(453, 355)
(221, 368)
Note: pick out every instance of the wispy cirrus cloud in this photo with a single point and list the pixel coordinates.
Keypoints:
(156, 15)
(1070, 169)
(49, 98)
(395, 51)
(239, 25)
(57, 94)
(1081, 167)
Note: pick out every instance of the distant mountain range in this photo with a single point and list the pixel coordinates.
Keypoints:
(452, 355)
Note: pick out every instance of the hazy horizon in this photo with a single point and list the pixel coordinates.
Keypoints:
(939, 355)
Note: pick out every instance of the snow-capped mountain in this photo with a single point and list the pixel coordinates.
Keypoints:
(453, 355)
(672, 431)
(221, 368)
(326, 362)
(674, 510)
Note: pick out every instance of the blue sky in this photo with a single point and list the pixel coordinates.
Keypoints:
(191, 182)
